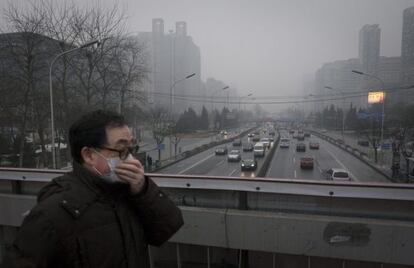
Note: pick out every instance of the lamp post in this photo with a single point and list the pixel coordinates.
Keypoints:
(343, 110)
(212, 95)
(246, 96)
(171, 102)
(173, 85)
(51, 93)
(383, 100)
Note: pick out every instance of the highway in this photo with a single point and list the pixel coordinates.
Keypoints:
(284, 164)
(207, 163)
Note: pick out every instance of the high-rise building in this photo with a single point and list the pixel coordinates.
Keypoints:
(407, 48)
(369, 53)
(338, 75)
(173, 56)
(389, 70)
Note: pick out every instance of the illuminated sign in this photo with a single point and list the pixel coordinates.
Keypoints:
(376, 97)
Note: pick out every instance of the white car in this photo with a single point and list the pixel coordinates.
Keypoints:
(234, 155)
(338, 174)
(259, 149)
(265, 141)
(284, 143)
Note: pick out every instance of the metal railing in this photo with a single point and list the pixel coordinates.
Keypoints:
(345, 220)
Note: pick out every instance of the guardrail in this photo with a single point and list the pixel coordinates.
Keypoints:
(268, 159)
(355, 152)
(186, 154)
(266, 214)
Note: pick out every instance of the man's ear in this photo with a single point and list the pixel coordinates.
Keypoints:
(88, 156)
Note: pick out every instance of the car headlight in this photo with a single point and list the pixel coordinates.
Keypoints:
(242, 165)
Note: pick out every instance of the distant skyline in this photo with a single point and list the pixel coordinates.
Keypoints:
(268, 46)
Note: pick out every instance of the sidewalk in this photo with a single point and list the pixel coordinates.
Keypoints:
(384, 156)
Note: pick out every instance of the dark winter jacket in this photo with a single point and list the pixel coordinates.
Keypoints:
(81, 221)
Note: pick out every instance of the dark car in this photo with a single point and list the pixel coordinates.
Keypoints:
(364, 143)
(314, 145)
(307, 134)
(248, 164)
(300, 147)
(248, 147)
(237, 142)
(221, 151)
(8, 160)
(306, 162)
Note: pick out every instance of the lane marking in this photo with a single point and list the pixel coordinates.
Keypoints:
(295, 174)
(294, 160)
(353, 177)
(219, 163)
(231, 173)
(195, 164)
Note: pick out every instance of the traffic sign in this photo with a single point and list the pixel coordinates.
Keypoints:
(386, 146)
(376, 116)
(161, 147)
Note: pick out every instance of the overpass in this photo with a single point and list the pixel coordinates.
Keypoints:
(259, 222)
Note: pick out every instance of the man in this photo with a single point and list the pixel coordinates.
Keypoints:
(104, 212)
(149, 160)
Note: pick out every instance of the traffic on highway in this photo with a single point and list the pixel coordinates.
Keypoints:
(298, 154)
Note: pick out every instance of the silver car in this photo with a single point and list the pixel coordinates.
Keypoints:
(234, 156)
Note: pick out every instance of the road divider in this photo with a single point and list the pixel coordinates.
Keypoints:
(268, 157)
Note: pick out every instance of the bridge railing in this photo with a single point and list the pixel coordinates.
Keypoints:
(346, 220)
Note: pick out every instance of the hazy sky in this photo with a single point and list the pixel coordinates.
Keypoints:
(269, 46)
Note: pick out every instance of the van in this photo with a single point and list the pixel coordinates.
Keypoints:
(284, 143)
(259, 149)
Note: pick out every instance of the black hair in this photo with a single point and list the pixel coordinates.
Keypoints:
(90, 131)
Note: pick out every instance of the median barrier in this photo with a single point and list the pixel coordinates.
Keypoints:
(186, 154)
(268, 158)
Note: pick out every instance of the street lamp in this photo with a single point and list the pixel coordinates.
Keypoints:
(246, 96)
(212, 95)
(171, 101)
(383, 100)
(172, 86)
(343, 110)
(51, 93)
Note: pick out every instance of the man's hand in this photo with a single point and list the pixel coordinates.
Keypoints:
(132, 172)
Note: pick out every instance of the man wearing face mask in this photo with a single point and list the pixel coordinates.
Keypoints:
(102, 214)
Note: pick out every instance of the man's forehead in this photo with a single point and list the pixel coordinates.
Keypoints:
(119, 135)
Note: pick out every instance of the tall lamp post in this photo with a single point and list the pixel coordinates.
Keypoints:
(214, 93)
(51, 93)
(343, 110)
(173, 85)
(383, 100)
(171, 101)
(246, 96)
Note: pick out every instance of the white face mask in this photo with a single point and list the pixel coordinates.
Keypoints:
(111, 176)
(112, 162)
